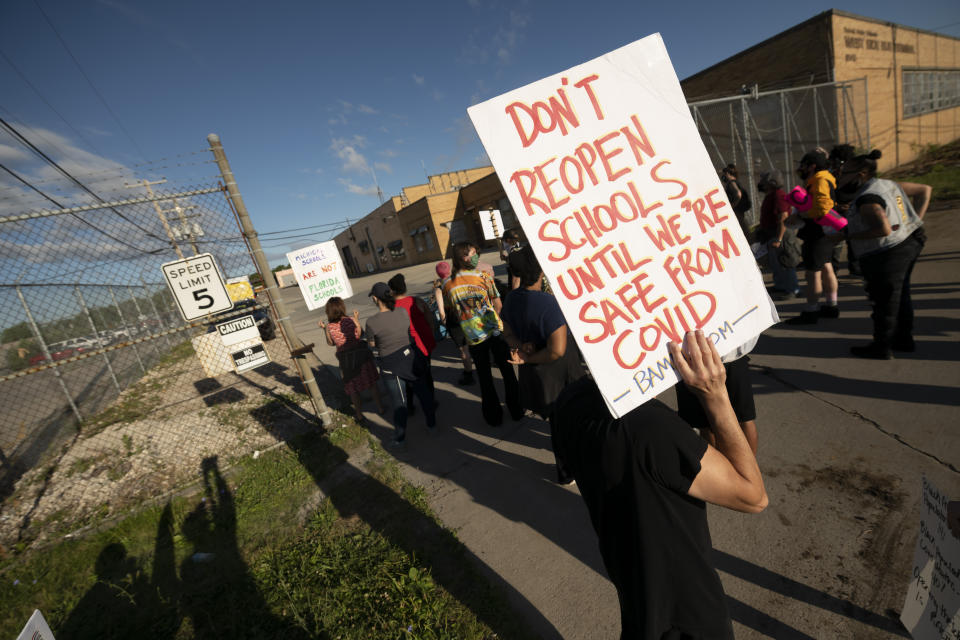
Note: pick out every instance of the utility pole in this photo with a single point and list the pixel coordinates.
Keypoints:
(185, 227)
(297, 348)
(146, 184)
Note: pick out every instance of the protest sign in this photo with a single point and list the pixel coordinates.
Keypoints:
(614, 189)
(36, 628)
(320, 274)
(931, 609)
(491, 223)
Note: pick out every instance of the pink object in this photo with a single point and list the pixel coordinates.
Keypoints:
(443, 269)
(801, 201)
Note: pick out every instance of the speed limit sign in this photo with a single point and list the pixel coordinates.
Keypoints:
(197, 286)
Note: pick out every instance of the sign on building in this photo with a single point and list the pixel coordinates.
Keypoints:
(320, 274)
(197, 286)
(605, 170)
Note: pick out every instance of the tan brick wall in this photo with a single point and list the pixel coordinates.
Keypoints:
(880, 51)
(798, 56)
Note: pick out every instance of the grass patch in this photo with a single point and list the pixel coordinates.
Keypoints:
(938, 166)
(274, 549)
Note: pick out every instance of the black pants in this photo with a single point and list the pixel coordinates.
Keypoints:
(495, 347)
(887, 278)
(424, 373)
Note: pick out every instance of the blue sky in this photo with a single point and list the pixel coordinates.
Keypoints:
(311, 99)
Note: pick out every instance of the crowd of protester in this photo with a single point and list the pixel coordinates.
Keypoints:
(646, 477)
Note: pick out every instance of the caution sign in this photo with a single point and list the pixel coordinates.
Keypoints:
(250, 358)
(238, 330)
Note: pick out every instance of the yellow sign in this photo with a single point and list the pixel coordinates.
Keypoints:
(240, 289)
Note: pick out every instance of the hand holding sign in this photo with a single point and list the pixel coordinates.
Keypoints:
(616, 194)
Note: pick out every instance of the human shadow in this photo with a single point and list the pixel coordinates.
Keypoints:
(124, 603)
(790, 588)
(218, 594)
(413, 531)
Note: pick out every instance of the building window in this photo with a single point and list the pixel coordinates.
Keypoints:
(929, 90)
(396, 249)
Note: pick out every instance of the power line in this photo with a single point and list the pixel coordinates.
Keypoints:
(89, 224)
(63, 171)
(46, 102)
(90, 82)
(315, 226)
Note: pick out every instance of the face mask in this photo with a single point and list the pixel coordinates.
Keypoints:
(475, 260)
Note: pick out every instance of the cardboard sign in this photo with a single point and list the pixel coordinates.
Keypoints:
(491, 223)
(932, 606)
(614, 189)
(238, 330)
(197, 286)
(320, 274)
(36, 628)
(250, 358)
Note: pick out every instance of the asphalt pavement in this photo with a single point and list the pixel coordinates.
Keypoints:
(844, 443)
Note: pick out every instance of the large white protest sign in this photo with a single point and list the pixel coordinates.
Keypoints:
(320, 273)
(931, 609)
(615, 191)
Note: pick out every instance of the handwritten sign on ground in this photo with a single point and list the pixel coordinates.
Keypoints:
(320, 274)
(932, 606)
(615, 192)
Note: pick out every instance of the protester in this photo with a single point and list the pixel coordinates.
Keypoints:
(645, 478)
(887, 234)
(840, 154)
(422, 329)
(356, 361)
(450, 320)
(783, 247)
(737, 195)
(818, 248)
(389, 332)
(473, 296)
(509, 243)
(540, 343)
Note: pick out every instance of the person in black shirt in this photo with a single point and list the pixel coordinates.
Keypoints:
(645, 479)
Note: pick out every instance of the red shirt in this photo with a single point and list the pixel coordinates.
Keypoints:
(419, 325)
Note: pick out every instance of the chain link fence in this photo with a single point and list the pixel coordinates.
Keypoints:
(107, 395)
(772, 130)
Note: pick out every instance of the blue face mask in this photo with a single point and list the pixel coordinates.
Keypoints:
(475, 260)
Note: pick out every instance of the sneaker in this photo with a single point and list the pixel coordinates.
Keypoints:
(805, 317)
(466, 379)
(905, 344)
(829, 311)
(873, 351)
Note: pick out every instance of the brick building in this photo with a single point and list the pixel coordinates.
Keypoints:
(425, 221)
(912, 76)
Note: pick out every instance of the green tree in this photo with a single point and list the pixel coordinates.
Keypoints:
(19, 357)
(16, 332)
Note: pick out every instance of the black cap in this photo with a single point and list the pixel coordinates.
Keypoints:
(816, 157)
(381, 291)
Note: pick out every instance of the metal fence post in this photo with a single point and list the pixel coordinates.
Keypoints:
(93, 327)
(788, 177)
(273, 292)
(46, 352)
(748, 152)
(866, 110)
(816, 118)
(155, 312)
(123, 321)
(733, 135)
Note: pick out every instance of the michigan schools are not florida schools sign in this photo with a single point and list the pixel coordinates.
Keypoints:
(616, 193)
(320, 274)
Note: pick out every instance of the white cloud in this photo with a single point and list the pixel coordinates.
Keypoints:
(347, 150)
(418, 79)
(10, 154)
(437, 95)
(388, 153)
(356, 189)
(362, 108)
(383, 166)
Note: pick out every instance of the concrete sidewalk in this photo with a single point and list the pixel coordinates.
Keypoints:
(843, 445)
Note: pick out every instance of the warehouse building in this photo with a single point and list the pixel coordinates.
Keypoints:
(910, 78)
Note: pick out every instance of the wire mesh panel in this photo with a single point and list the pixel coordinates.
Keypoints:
(771, 131)
(107, 394)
